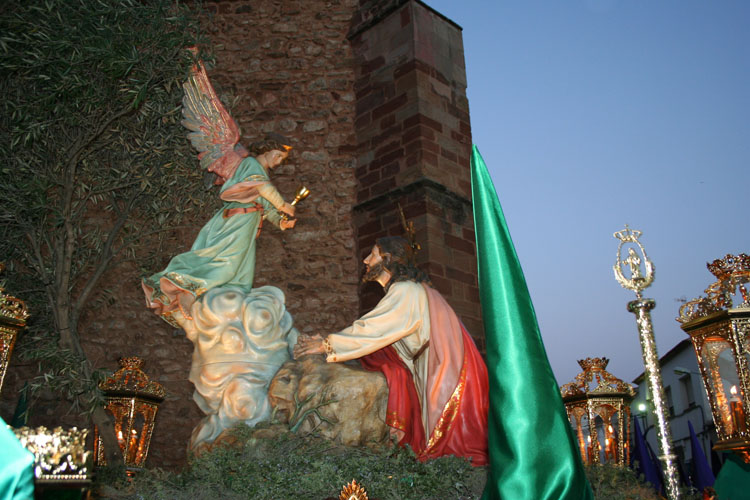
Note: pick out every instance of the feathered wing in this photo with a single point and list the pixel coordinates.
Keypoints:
(214, 133)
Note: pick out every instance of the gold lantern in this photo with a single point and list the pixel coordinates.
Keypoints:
(599, 411)
(133, 400)
(13, 315)
(720, 332)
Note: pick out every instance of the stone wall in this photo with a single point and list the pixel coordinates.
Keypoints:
(308, 69)
(285, 66)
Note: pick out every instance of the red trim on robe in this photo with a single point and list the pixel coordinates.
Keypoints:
(401, 415)
(462, 427)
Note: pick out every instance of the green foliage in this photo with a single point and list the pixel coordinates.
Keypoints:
(96, 165)
(292, 466)
(612, 482)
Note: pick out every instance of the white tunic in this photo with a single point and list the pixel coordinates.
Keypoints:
(401, 318)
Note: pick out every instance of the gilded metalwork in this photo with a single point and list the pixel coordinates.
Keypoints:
(13, 316)
(731, 272)
(641, 308)
(637, 281)
(132, 380)
(353, 491)
(720, 340)
(598, 396)
(301, 194)
(133, 400)
(60, 456)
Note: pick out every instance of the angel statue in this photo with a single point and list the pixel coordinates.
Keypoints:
(224, 251)
(241, 335)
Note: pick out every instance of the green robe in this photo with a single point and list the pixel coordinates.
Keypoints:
(223, 252)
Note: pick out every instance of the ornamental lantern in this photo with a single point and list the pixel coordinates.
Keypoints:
(13, 315)
(720, 332)
(600, 413)
(133, 400)
(61, 461)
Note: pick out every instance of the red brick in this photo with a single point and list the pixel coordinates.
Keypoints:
(373, 226)
(461, 276)
(369, 102)
(459, 244)
(372, 65)
(405, 17)
(464, 128)
(370, 179)
(442, 285)
(394, 130)
(449, 155)
(390, 170)
(383, 186)
(391, 146)
(473, 294)
(430, 158)
(434, 269)
(437, 75)
(405, 68)
(389, 106)
(387, 158)
(459, 137)
(362, 121)
(387, 122)
(458, 112)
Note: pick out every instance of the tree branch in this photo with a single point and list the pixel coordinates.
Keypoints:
(105, 258)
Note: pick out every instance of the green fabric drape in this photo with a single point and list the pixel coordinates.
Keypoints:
(532, 450)
(16, 467)
(733, 480)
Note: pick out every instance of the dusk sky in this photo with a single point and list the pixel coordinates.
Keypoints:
(593, 114)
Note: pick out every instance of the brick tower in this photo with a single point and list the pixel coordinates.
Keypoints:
(414, 143)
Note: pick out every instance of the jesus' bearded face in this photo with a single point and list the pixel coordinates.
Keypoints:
(374, 267)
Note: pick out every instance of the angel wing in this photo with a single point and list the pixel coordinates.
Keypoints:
(214, 133)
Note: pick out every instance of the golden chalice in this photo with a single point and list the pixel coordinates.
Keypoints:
(301, 194)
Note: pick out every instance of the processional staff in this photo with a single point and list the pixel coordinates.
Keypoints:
(641, 308)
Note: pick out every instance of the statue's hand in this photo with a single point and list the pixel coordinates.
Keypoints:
(308, 344)
(287, 223)
(288, 209)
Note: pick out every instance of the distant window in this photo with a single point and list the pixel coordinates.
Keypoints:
(670, 404)
(686, 383)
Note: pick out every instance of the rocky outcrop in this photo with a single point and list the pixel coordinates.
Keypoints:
(339, 401)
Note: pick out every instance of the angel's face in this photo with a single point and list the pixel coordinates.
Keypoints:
(276, 158)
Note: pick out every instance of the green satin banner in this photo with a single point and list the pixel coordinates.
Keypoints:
(532, 450)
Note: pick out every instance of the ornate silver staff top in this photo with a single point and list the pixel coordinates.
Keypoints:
(637, 282)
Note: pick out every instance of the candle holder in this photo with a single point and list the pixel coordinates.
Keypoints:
(605, 401)
(13, 316)
(132, 399)
(641, 307)
(720, 332)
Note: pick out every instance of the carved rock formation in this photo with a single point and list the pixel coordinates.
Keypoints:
(341, 402)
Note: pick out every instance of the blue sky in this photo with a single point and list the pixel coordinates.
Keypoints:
(591, 114)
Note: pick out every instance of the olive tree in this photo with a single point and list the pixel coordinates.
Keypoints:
(95, 164)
